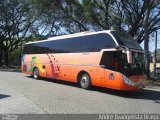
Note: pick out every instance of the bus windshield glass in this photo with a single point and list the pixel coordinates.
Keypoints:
(118, 62)
(137, 67)
(126, 40)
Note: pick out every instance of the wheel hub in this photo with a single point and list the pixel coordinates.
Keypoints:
(84, 81)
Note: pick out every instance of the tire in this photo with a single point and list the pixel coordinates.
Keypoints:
(36, 73)
(85, 81)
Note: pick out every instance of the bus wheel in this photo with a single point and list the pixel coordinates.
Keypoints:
(36, 73)
(85, 81)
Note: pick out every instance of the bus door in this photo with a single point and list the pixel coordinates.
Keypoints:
(111, 60)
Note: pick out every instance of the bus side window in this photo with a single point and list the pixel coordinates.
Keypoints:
(112, 60)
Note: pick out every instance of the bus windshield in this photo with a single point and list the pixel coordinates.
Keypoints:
(137, 67)
(118, 62)
(126, 40)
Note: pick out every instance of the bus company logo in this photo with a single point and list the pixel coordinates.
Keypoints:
(111, 76)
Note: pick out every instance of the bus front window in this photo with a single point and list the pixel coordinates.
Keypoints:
(126, 40)
(137, 65)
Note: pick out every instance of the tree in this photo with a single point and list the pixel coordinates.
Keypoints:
(48, 18)
(135, 17)
(149, 4)
(158, 55)
(61, 16)
(94, 15)
(127, 16)
(19, 18)
(15, 20)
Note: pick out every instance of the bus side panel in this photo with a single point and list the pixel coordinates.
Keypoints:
(63, 72)
(48, 61)
(74, 73)
(80, 59)
(53, 65)
(98, 78)
(87, 69)
(42, 72)
(75, 70)
(114, 80)
(96, 74)
(41, 61)
(48, 71)
(76, 61)
(27, 64)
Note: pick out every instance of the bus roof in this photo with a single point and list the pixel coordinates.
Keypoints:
(72, 36)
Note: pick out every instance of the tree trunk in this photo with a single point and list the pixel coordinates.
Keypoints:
(147, 61)
(146, 40)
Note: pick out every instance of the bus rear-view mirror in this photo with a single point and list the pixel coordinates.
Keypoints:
(129, 56)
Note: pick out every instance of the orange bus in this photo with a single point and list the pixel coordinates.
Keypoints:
(109, 59)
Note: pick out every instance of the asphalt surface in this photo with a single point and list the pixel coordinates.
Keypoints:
(19, 93)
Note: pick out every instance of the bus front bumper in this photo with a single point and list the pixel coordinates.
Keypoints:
(141, 84)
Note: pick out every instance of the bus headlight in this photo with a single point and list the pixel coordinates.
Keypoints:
(127, 81)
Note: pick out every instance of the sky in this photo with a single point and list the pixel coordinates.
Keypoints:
(152, 42)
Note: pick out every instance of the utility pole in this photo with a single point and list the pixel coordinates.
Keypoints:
(155, 56)
(1, 53)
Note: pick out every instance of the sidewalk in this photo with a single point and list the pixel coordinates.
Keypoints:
(12, 102)
(10, 69)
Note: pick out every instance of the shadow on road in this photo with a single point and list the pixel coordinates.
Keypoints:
(4, 96)
(139, 94)
(10, 70)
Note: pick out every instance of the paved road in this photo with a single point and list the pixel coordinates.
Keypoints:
(21, 94)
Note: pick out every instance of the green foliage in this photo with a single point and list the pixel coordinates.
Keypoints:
(30, 20)
(127, 16)
(15, 57)
(16, 17)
